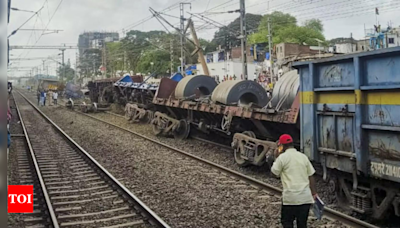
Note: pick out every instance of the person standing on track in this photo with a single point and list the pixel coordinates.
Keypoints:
(55, 97)
(299, 191)
(50, 95)
(44, 97)
(38, 94)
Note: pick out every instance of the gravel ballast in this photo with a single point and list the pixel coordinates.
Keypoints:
(182, 191)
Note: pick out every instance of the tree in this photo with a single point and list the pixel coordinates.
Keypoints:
(284, 28)
(155, 61)
(315, 24)
(278, 20)
(298, 35)
(90, 62)
(66, 72)
(231, 32)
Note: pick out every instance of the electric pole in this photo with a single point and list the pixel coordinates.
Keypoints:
(76, 68)
(104, 60)
(172, 55)
(43, 65)
(125, 57)
(243, 36)
(183, 34)
(270, 49)
(63, 66)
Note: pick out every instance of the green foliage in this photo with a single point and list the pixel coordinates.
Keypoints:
(66, 72)
(315, 24)
(232, 30)
(285, 29)
(160, 60)
(90, 62)
(138, 49)
(298, 35)
(278, 20)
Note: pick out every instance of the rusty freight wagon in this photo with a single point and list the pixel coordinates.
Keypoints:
(239, 110)
(48, 84)
(103, 90)
(342, 113)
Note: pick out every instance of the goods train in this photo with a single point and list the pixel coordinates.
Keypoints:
(342, 113)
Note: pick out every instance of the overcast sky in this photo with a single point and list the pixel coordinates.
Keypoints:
(340, 19)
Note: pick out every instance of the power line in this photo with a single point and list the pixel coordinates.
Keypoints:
(15, 31)
(172, 7)
(55, 11)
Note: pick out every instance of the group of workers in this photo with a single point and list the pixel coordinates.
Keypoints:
(43, 95)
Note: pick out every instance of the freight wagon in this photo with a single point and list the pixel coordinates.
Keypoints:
(48, 84)
(342, 113)
(350, 124)
(103, 90)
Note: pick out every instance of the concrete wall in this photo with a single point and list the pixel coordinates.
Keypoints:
(395, 38)
(284, 50)
(345, 48)
(229, 68)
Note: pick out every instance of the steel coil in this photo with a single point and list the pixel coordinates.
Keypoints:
(240, 92)
(199, 85)
(285, 90)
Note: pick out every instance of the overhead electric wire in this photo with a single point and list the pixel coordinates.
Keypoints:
(174, 6)
(55, 11)
(15, 31)
(218, 6)
(358, 12)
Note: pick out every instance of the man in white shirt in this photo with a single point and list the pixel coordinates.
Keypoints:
(299, 191)
(55, 97)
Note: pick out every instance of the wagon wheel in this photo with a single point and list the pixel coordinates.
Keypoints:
(84, 109)
(249, 133)
(238, 158)
(135, 116)
(182, 132)
(157, 130)
(149, 116)
(128, 113)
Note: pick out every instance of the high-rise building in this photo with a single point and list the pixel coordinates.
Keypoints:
(95, 40)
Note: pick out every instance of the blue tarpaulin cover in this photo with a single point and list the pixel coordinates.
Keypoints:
(177, 77)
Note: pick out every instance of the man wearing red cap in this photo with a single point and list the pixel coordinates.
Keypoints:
(296, 173)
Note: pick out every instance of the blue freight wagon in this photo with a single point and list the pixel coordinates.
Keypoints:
(350, 124)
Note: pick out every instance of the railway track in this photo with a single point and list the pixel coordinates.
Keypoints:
(222, 146)
(25, 166)
(239, 178)
(77, 191)
(329, 213)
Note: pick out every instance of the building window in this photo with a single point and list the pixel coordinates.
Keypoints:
(391, 40)
(281, 49)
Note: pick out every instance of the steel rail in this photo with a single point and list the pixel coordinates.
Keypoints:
(192, 137)
(330, 213)
(148, 213)
(53, 217)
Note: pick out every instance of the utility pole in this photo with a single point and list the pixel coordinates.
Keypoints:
(198, 49)
(104, 60)
(63, 66)
(76, 68)
(172, 55)
(243, 36)
(270, 49)
(183, 33)
(125, 57)
(43, 65)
